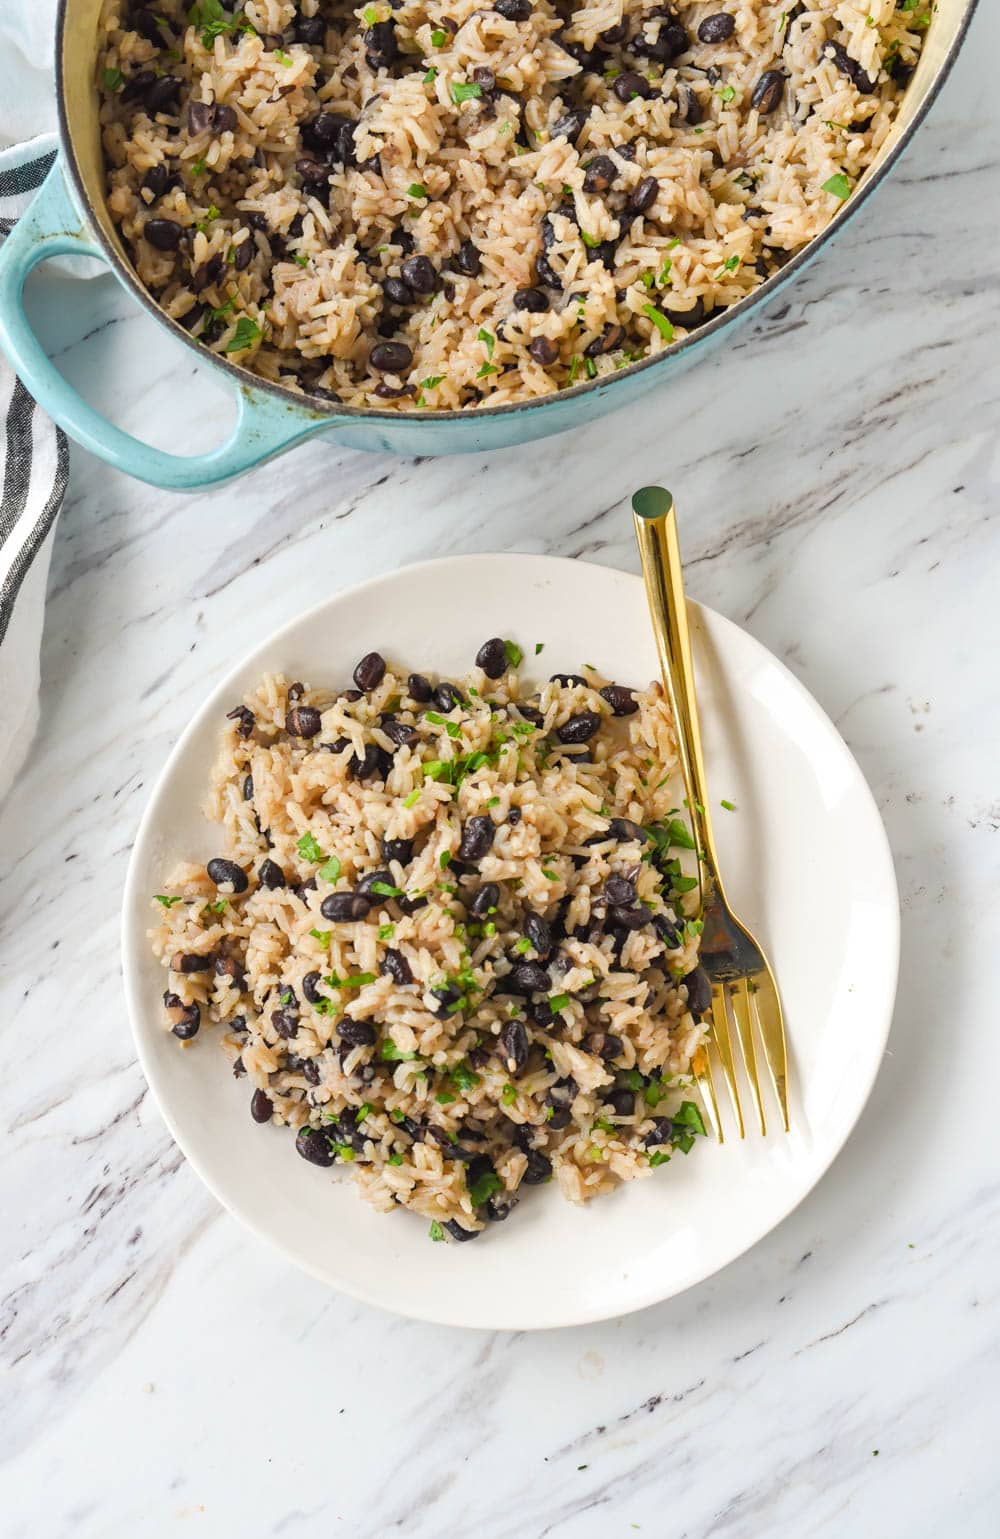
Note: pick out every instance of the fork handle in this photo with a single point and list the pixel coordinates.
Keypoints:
(659, 551)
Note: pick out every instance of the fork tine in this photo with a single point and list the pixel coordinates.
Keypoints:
(702, 1070)
(740, 998)
(724, 1044)
(766, 1007)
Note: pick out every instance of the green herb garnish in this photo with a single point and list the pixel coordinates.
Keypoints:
(430, 76)
(161, 897)
(330, 870)
(838, 186)
(386, 931)
(439, 37)
(660, 321)
(390, 1053)
(112, 79)
(412, 799)
(416, 190)
(465, 90)
(514, 654)
(483, 1188)
(308, 848)
(323, 936)
(435, 1231)
(558, 1002)
(508, 1095)
(282, 58)
(660, 1157)
(246, 333)
(395, 1159)
(444, 1097)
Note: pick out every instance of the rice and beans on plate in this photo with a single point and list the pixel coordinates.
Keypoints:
(449, 203)
(449, 942)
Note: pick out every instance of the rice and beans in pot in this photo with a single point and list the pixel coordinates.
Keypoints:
(449, 943)
(447, 204)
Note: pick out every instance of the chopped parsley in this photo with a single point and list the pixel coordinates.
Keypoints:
(386, 890)
(729, 806)
(590, 367)
(726, 93)
(483, 1187)
(211, 213)
(730, 265)
(369, 16)
(343, 1151)
(161, 897)
(522, 946)
(838, 186)
(357, 981)
(308, 848)
(461, 1075)
(430, 76)
(688, 1116)
(444, 1097)
(435, 1231)
(385, 931)
(465, 90)
(198, 166)
(218, 907)
(487, 339)
(112, 79)
(558, 1002)
(590, 241)
(393, 1054)
(283, 58)
(439, 37)
(395, 1159)
(514, 654)
(539, 646)
(246, 333)
(487, 368)
(660, 321)
(659, 1157)
(416, 190)
(212, 21)
(323, 936)
(300, 259)
(413, 798)
(508, 1095)
(363, 1110)
(330, 870)
(444, 859)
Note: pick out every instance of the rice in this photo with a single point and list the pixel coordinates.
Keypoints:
(449, 943)
(275, 171)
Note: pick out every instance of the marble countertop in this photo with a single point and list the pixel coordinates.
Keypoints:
(166, 1374)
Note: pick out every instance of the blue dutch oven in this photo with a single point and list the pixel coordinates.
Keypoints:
(69, 217)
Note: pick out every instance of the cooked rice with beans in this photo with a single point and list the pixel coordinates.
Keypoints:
(449, 943)
(444, 204)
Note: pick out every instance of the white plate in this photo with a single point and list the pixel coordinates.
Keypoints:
(807, 864)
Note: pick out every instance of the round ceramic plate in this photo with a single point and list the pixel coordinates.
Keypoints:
(807, 865)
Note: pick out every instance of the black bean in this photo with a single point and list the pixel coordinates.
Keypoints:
(302, 721)
(381, 48)
(543, 350)
(612, 36)
(568, 680)
(248, 788)
(529, 713)
(397, 967)
(375, 763)
(356, 1033)
(244, 255)
(687, 318)
(370, 671)
(621, 1101)
(477, 838)
(485, 901)
(690, 106)
(227, 872)
(185, 1019)
(718, 28)
(492, 655)
(399, 731)
(448, 998)
(768, 91)
(189, 962)
(285, 1021)
(398, 292)
(631, 918)
(315, 178)
(611, 338)
(155, 180)
(604, 1044)
(535, 301)
(591, 61)
(208, 273)
(538, 931)
(233, 969)
(661, 1132)
(514, 1045)
(624, 830)
(601, 174)
(629, 85)
(164, 234)
(391, 357)
(571, 125)
(200, 116)
(309, 1069)
(513, 10)
(419, 273)
(387, 392)
(484, 76)
(418, 688)
(699, 990)
(457, 1232)
(580, 728)
(539, 1168)
(514, 816)
(619, 890)
(345, 907)
(398, 849)
(467, 259)
(310, 30)
(261, 1106)
(411, 905)
(309, 990)
(315, 1145)
(621, 700)
(667, 931)
(528, 978)
(328, 134)
(644, 196)
(136, 87)
(850, 67)
(147, 26)
(270, 874)
(499, 1206)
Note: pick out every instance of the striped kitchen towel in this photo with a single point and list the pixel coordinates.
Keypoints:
(34, 457)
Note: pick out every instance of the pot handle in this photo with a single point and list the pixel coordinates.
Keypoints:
(265, 425)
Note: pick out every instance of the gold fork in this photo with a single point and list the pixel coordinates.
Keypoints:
(743, 985)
